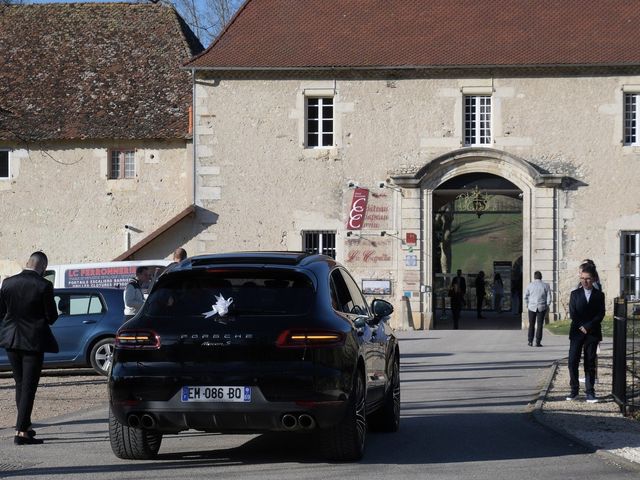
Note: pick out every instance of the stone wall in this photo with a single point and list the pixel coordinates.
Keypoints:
(265, 187)
(59, 199)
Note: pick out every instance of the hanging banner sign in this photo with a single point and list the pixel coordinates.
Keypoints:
(358, 209)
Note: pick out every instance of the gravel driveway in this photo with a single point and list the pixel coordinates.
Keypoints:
(60, 392)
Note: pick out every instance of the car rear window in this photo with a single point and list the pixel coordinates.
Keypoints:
(249, 293)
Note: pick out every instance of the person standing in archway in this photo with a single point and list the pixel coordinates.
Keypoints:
(462, 284)
(498, 293)
(457, 300)
(480, 293)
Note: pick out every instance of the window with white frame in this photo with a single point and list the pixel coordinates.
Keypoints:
(122, 164)
(319, 241)
(477, 120)
(630, 265)
(319, 122)
(631, 118)
(4, 164)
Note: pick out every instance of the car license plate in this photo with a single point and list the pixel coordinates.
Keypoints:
(216, 394)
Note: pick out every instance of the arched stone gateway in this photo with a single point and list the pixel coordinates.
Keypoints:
(539, 217)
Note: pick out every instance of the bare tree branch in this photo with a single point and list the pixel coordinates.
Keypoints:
(206, 18)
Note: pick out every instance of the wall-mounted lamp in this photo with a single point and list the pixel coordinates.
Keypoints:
(386, 184)
(132, 228)
(384, 233)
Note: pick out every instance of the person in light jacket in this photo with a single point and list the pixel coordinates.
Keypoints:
(537, 297)
(133, 294)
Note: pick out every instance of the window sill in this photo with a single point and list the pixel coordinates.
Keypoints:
(630, 149)
(320, 152)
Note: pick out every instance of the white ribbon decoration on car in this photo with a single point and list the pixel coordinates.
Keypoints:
(221, 307)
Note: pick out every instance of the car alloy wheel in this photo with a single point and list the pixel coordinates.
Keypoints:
(361, 421)
(102, 355)
(395, 385)
(345, 441)
(387, 417)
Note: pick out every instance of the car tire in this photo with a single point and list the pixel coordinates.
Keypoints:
(132, 443)
(387, 417)
(101, 355)
(345, 441)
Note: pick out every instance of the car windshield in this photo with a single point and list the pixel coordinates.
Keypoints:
(231, 293)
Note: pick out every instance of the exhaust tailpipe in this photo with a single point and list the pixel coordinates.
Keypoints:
(289, 422)
(134, 421)
(147, 421)
(306, 421)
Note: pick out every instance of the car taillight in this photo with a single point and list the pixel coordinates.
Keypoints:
(309, 339)
(138, 339)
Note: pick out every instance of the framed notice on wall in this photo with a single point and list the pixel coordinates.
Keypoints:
(376, 287)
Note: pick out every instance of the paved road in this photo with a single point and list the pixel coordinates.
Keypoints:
(466, 395)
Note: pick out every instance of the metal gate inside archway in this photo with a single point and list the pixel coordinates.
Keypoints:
(477, 230)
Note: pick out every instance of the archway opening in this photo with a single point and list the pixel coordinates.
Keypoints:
(477, 227)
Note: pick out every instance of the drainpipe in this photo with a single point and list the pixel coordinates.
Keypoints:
(193, 133)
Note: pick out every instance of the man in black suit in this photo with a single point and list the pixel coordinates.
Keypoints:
(586, 307)
(460, 280)
(27, 308)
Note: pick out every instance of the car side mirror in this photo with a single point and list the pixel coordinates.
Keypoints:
(360, 323)
(381, 308)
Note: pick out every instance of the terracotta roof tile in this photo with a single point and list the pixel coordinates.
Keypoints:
(94, 71)
(283, 34)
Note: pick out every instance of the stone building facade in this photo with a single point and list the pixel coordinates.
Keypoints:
(94, 131)
(557, 129)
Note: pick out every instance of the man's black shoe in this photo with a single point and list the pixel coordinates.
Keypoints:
(538, 344)
(18, 440)
(530, 344)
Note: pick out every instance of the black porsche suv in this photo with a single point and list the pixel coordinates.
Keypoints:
(255, 342)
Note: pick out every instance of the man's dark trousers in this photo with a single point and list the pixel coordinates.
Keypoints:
(479, 302)
(26, 367)
(588, 344)
(536, 322)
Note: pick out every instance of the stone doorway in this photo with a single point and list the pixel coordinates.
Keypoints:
(477, 223)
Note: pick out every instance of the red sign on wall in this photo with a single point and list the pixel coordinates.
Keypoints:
(358, 209)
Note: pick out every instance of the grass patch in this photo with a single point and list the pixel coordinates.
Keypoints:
(562, 327)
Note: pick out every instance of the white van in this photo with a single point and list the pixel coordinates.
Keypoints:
(104, 274)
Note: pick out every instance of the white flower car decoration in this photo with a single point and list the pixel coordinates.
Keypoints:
(221, 307)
